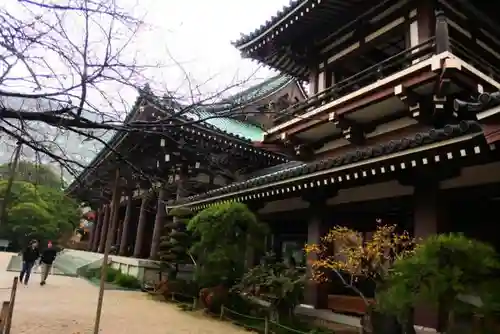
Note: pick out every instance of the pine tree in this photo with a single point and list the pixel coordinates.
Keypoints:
(175, 242)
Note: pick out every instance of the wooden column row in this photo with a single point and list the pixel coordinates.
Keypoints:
(120, 234)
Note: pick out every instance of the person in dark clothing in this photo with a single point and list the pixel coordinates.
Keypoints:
(46, 260)
(30, 255)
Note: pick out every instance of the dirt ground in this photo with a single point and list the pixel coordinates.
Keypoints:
(67, 306)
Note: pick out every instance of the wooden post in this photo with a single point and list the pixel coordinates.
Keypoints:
(266, 325)
(96, 231)
(442, 34)
(159, 220)
(104, 228)
(115, 202)
(8, 322)
(141, 225)
(126, 222)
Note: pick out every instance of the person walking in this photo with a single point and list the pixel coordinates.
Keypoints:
(46, 260)
(30, 255)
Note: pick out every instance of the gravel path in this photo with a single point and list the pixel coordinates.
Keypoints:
(67, 306)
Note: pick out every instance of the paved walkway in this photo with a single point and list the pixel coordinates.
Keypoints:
(67, 306)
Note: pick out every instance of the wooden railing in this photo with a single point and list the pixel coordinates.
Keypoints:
(369, 75)
(463, 52)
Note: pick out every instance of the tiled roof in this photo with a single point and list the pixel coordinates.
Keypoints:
(231, 127)
(393, 146)
(257, 92)
(236, 129)
(280, 15)
(213, 115)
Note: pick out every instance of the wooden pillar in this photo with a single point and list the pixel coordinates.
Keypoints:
(96, 229)
(104, 228)
(251, 256)
(442, 34)
(428, 220)
(113, 225)
(125, 226)
(313, 294)
(159, 221)
(141, 226)
(119, 231)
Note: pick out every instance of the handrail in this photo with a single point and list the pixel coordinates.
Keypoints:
(413, 53)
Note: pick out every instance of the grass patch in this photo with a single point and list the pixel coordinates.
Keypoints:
(113, 277)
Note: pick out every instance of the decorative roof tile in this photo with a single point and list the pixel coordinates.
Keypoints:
(393, 146)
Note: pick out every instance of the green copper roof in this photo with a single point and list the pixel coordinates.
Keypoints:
(228, 125)
(257, 92)
(209, 113)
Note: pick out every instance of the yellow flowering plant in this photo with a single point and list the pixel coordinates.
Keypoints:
(344, 253)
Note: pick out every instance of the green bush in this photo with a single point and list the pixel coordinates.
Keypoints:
(126, 281)
(91, 273)
(111, 274)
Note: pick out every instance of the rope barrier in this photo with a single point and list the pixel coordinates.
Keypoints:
(288, 329)
(225, 314)
(266, 322)
(243, 315)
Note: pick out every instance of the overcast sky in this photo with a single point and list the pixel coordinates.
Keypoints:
(195, 33)
(198, 33)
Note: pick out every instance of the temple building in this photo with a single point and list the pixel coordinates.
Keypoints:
(196, 150)
(383, 134)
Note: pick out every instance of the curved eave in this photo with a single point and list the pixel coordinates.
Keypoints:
(271, 26)
(417, 143)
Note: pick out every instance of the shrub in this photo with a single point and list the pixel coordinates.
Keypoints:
(126, 281)
(442, 269)
(111, 274)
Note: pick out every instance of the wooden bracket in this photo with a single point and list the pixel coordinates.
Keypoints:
(411, 99)
(352, 131)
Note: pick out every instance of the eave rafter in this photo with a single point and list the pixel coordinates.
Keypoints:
(422, 149)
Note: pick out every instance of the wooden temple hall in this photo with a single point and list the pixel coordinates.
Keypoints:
(383, 135)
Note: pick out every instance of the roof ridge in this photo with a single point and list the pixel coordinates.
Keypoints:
(280, 14)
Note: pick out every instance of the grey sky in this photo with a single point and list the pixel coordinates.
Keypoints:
(195, 33)
(198, 33)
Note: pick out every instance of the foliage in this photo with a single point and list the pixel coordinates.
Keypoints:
(33, 173)
(441, 269)
(282, 286)
(127, 281)
(222, 234)
(356, 259)
(113, 276)
(175, 242)
(37, 212)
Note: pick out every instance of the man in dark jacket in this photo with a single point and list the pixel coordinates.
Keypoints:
(46, 260)
(30, 255)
